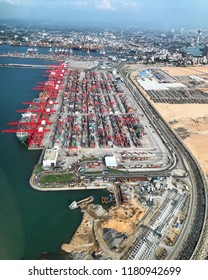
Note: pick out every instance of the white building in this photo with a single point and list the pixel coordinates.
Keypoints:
(110, 161)
(50, 157)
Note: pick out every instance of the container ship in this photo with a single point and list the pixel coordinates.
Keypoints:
(36, 119)
(26, 118)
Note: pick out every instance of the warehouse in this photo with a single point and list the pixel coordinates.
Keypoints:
(50, 157)
(110, 161)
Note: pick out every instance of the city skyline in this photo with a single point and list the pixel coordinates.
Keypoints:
(142, 13)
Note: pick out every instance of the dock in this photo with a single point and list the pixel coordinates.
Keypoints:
(81, 203)
(19, 65)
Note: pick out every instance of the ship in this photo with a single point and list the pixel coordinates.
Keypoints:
(32, 51)
(26, 117)
(73, 205)
(22, 136)
(81, 203)
(102, 52)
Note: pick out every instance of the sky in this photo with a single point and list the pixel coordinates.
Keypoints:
(144, 13)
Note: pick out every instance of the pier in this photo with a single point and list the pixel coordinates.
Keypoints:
(25, 66)
(81, 203)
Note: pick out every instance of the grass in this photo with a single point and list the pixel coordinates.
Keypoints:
(96, 172)
(116, 171)
(56, 178)
(84, 158)
(38, 168)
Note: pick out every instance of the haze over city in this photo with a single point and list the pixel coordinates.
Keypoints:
(144, 13)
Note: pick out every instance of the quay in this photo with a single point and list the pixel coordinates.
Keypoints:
(24, 66)
(81, 203)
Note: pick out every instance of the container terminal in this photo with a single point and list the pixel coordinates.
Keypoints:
(90, 114)
(96, 131)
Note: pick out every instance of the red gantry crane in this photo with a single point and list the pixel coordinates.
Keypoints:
(35, 136)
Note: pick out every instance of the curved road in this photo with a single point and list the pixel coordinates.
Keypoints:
(192, 235)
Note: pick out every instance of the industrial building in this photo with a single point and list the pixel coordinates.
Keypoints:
(110, 162)
(50, 157)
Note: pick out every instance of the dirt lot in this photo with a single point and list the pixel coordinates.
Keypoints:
(190, 118)
(194, 119)
(120, 218)
(124, 218)
(186, 71)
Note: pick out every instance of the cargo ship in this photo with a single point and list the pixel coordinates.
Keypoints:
(26, 117)
(35, 120)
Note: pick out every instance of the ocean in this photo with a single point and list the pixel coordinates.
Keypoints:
(31, 222)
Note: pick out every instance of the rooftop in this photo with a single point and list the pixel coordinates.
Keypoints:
(50, 154)
(110, 161)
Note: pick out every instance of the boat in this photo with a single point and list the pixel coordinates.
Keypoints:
(105, 200)
(102, 52)
(81, 203)
(73, 205)
(22, 136)
(26, 117)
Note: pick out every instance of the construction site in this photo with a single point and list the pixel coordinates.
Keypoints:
(144, 221)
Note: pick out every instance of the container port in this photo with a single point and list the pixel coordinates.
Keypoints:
(88, 111)
(95, 133)
(95, 121)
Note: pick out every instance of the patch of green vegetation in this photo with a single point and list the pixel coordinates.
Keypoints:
(38, 168)
(84, 158)
(116, 171)
(56, 178)
(94, 173)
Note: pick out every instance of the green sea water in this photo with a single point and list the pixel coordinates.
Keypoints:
(31, 222)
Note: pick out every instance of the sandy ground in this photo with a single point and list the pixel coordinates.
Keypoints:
(186, 71)
(179, 111)
(121, 218)
(83, 239)
(193, 118)
(124, 218)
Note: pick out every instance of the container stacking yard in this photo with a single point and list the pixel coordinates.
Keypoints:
(90, 113)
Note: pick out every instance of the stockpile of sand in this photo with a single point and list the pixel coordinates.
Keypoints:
(123, 219)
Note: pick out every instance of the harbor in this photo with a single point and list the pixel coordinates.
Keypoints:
(100, 133)
(24, 65)
(29, 216)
